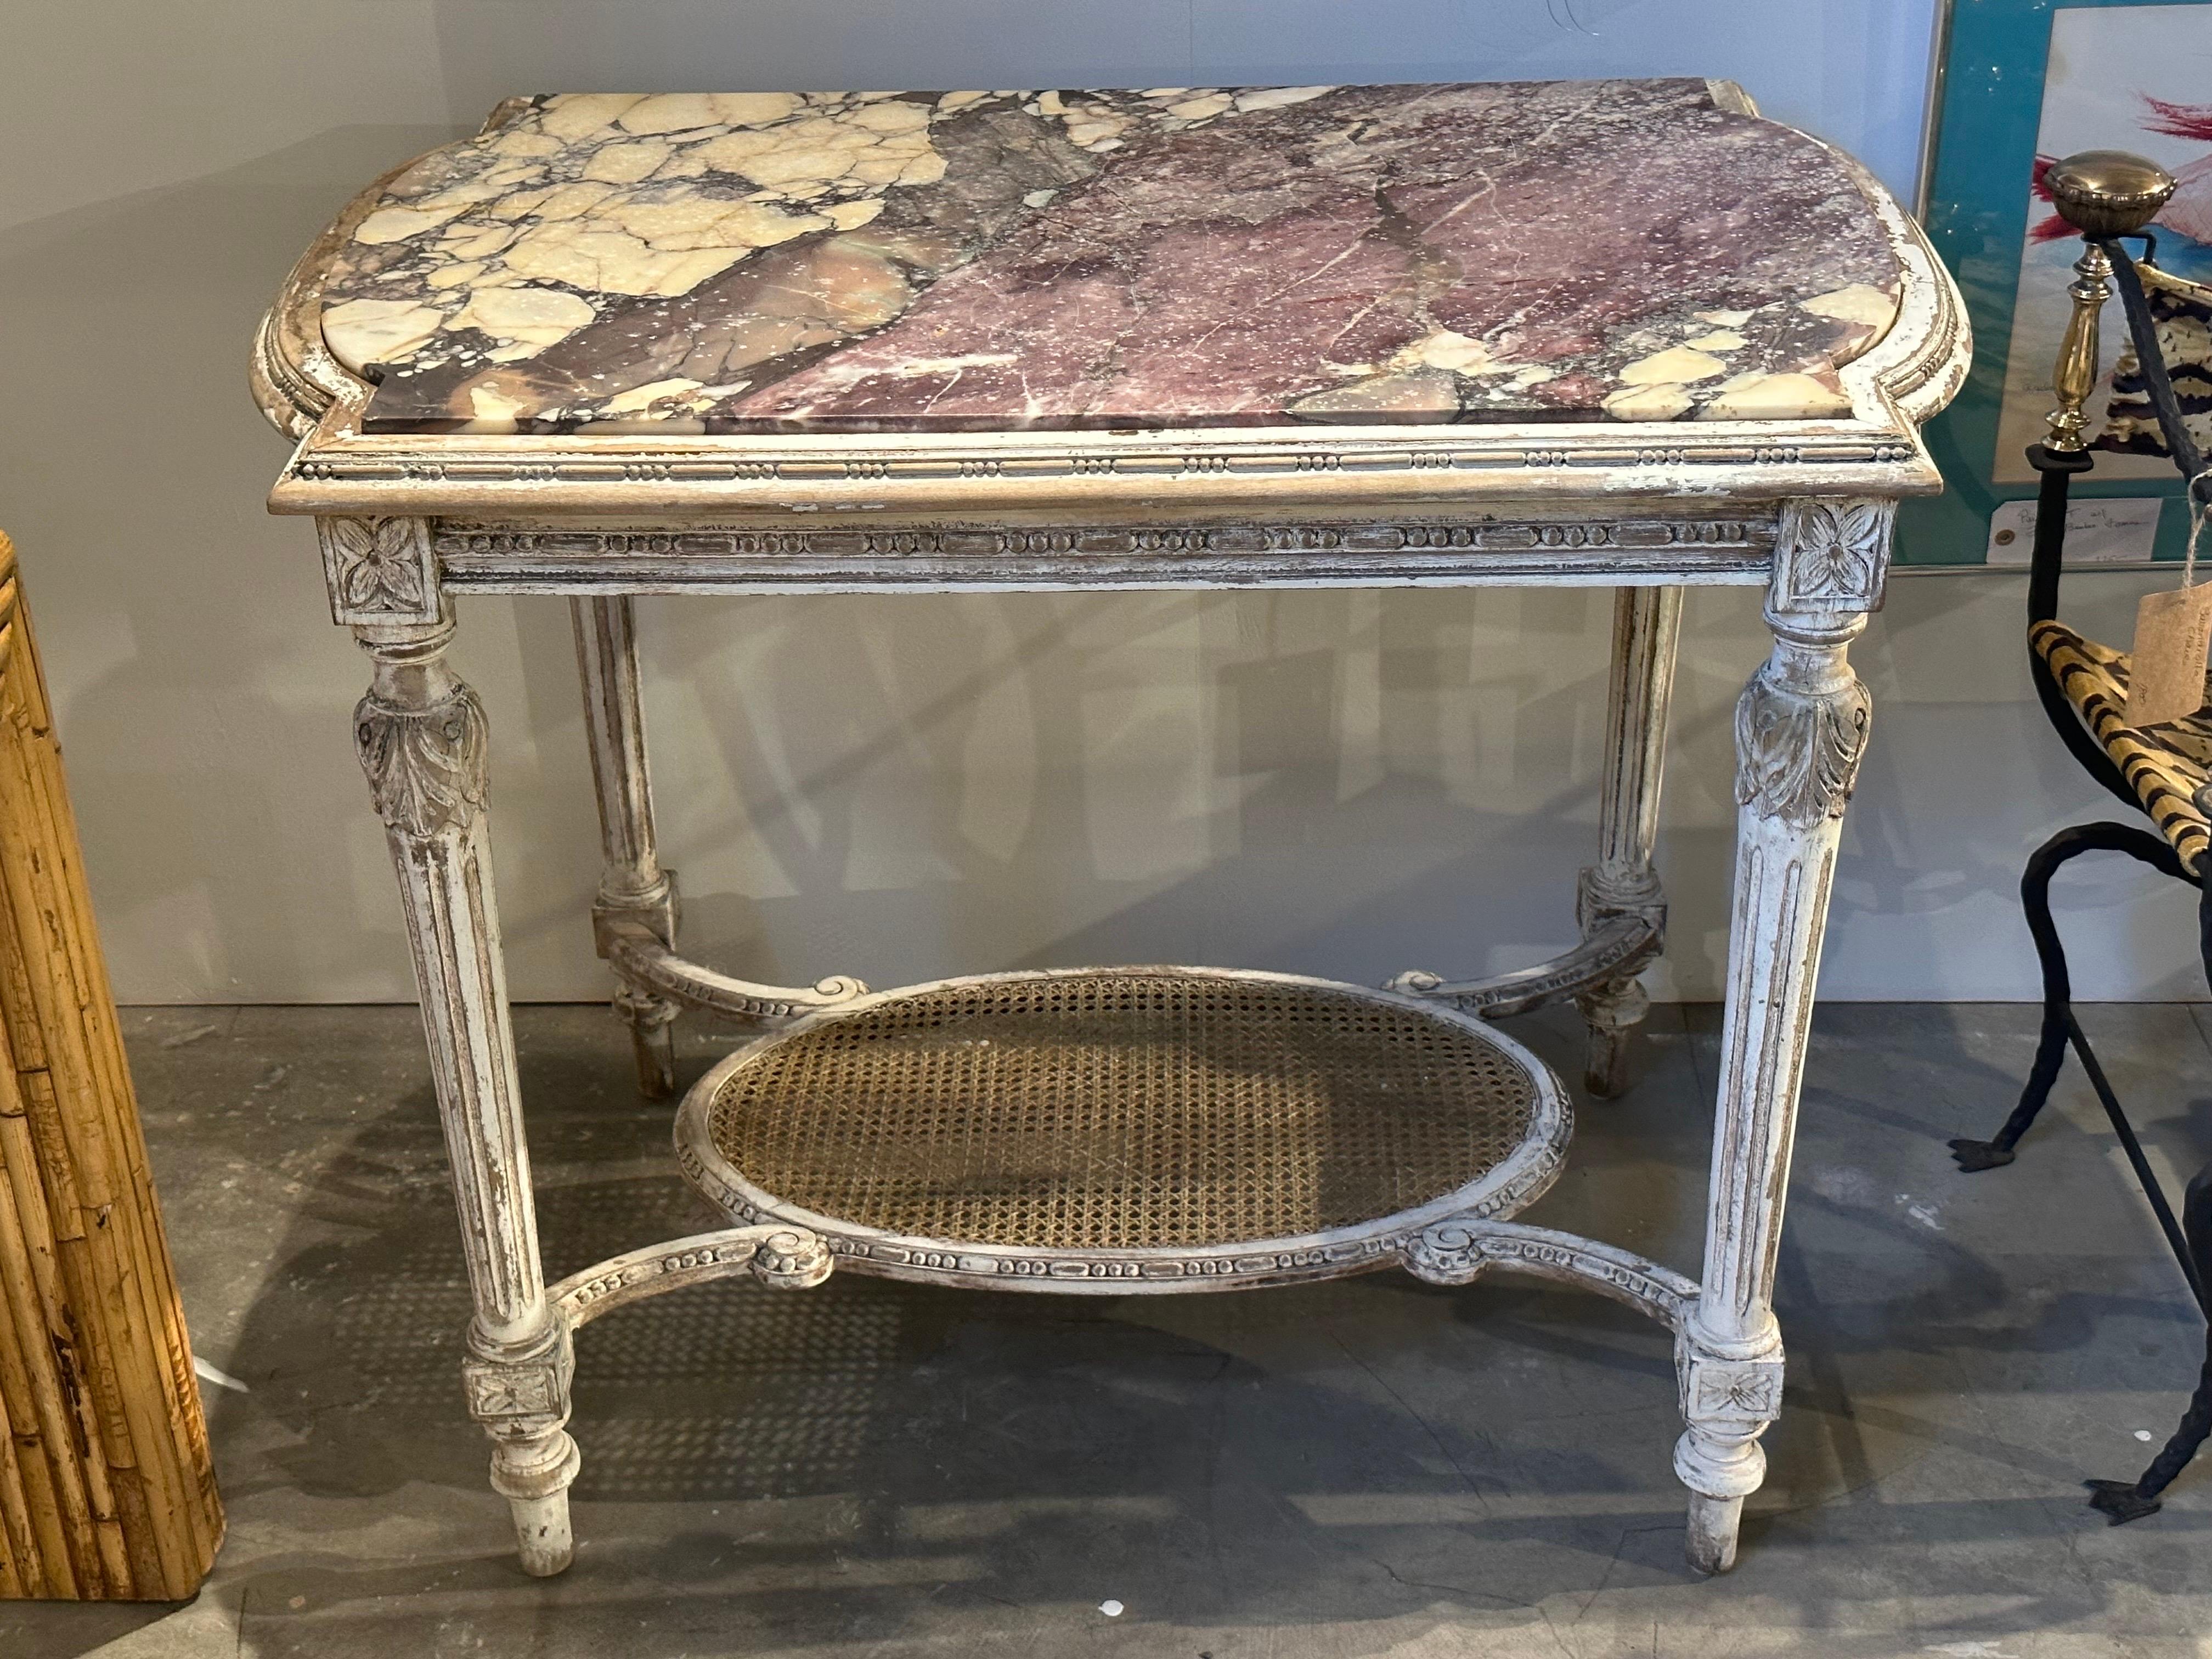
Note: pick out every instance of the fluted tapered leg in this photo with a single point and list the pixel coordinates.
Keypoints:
(635, 892)
(422, 738)
(1800, 726)
(1646, 623)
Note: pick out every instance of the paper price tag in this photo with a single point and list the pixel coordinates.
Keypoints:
(2106, 530)
(2166, 678)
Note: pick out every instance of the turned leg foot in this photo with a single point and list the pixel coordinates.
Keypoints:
(1713, 1524)
(1612, 1013)
(652, 1022)
(520, 1397)
(422, 738)
(1727, 1403)
(534, 1479)
(1800, 726)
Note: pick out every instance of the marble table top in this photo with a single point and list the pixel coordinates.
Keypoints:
(1175, 256)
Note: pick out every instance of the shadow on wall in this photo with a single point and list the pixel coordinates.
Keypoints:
(907, 788)
(1337, 783)
(202, 691)
(1317, 782)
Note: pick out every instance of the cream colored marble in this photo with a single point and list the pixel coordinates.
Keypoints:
(1677, 364)
(1661, 401)
(1777, 397)
(397, 224)
(1856, 304)
(595, 191)
(379, 331)
(532, 316)
(1447, 349)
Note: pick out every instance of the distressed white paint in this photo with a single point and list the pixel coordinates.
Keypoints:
(1809, 504)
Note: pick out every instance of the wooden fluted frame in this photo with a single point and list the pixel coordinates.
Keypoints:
(106, 1489)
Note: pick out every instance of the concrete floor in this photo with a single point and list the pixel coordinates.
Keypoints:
(1367, 1468)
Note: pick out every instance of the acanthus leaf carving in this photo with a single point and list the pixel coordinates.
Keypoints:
(1798, 751)
(378, 569)
(426, 768)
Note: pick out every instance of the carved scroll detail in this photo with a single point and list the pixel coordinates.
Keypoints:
(426, 767)
(1617, 946)
(378, 569)
(792, 1260)
(1461, 1249)
(774, 1252)
(1797, 749)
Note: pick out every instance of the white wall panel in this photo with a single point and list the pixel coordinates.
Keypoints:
(1348, 783)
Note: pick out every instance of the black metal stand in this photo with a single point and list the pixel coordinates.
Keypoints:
(2190, 1237)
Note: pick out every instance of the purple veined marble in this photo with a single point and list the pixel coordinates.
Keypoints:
(1174, 256)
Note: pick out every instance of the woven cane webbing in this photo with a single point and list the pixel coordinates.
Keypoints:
(1122, 1109)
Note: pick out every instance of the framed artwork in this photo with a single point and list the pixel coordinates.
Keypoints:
(2022, 83)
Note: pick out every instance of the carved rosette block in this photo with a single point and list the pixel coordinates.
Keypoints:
(1832, 555)
(378, 570)
(1729, 1391)
(521, 1397)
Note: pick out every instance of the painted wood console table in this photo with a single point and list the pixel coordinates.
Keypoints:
(1624, 334)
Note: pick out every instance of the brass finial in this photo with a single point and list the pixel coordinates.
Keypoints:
(2107, 192)
(2100, 192)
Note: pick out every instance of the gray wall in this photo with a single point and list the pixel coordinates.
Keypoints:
(1349, 784)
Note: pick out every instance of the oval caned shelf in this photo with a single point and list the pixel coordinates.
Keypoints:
(1107, 1128)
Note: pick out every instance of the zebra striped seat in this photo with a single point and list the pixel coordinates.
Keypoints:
(2165, 764)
